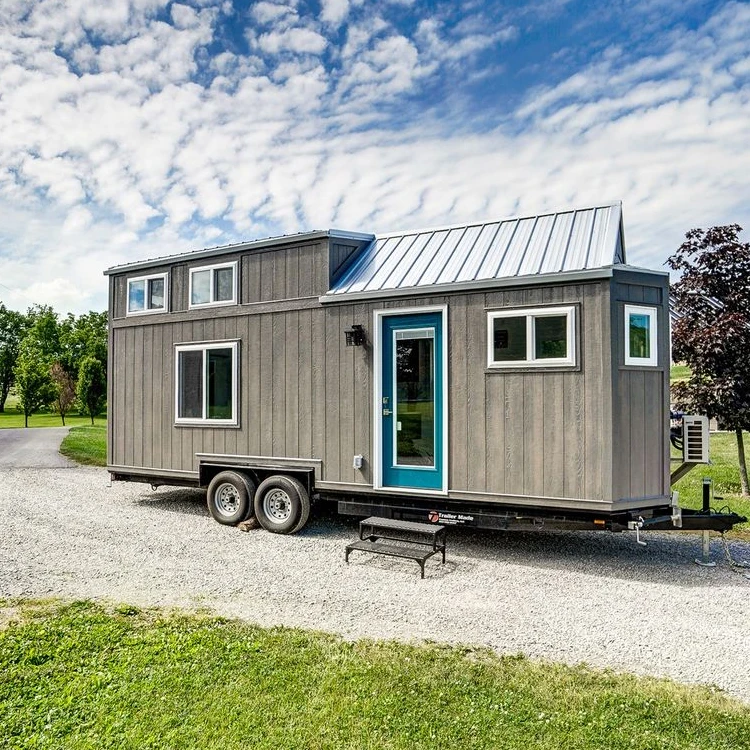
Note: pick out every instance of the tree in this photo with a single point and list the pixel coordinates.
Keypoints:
(92, 386)
(65, 390)
(82, 336)
(44, 330)
(712, 334)
(34, 386)
(12, 330)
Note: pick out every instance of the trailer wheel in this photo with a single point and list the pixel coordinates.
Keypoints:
(230, 497)
(282, 504)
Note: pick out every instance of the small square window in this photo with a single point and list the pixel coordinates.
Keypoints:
(147, 294)
(640, 336)
(531, 338)
(213, 285)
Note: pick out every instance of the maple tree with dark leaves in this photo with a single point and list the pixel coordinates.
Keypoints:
(712, 332)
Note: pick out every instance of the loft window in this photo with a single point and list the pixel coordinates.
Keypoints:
(147, 294)
(640, 336)
(213, 285)
(207, 383)
(540, 337)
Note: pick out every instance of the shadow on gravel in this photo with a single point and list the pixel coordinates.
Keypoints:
(667, 557)
(185, 500)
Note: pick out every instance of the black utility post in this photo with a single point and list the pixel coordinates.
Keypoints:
(705, 560)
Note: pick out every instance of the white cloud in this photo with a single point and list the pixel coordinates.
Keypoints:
(334, 11)
(297, 40)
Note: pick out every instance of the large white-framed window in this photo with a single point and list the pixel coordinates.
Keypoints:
(213, 285)
(206, 389)
(641, 345)
(531, 337)
(147, 294)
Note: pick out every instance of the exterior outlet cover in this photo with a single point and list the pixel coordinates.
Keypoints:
(695, 439)
(357, 462)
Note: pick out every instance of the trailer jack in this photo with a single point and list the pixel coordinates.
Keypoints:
(637, 526)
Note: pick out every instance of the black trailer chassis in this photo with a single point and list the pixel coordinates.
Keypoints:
(497, 517)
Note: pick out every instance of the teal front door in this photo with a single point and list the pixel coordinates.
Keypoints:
(412, 401)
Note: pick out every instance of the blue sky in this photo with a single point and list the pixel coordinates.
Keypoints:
(138, 128)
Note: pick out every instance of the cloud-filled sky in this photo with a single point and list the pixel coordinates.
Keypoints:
(138, 128)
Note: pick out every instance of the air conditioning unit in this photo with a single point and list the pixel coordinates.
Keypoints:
(695, 439)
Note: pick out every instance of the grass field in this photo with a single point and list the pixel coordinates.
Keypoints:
(11, 417)
(77, 676)
(87, 444)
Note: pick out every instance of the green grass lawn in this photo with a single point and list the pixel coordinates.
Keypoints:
(78, 676)
(87, 444)
(11, 417)
(679, 372)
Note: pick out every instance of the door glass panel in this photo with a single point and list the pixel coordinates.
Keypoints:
(414, 394)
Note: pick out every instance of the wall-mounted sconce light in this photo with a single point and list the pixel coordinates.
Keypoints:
(355, 336)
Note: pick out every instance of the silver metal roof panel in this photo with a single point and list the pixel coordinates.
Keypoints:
(552, 243)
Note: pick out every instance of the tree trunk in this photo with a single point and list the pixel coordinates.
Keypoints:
(25, 419)
(92, 418)
(62, 415)
(743, 463)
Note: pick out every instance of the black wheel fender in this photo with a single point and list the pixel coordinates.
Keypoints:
(282, 504)
(230, 490)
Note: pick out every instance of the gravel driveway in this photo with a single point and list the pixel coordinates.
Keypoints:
(585, 597)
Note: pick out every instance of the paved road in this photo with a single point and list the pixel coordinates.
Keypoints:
(36, 448)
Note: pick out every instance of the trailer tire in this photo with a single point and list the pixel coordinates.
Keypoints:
(282, 505)
(230, 497)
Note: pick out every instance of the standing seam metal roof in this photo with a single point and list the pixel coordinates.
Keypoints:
(573, 240)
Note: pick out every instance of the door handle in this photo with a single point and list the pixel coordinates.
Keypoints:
(387, 412)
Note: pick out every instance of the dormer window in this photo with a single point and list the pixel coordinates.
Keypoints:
(147, 294)
(213, 285)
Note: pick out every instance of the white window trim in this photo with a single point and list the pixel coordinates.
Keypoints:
(146, 311)
(653, 359)
(530, 313)
(234, 346)
(212, 268)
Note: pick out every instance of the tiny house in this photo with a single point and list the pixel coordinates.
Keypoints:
(465, 373)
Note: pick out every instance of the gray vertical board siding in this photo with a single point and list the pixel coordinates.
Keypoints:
(363, 403)
(331, 393)
(251, 278)
(179, 294)
(265, 354)
(494, 454)
(291, 382)
(249, 438)
(640, 402)
(339, 254)
(146, 388)
(305, 270)
(457, 398)
(304, 383)
(476, 397)
(158, 396)
(347, 386)
(278, 384)
(318, 384)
